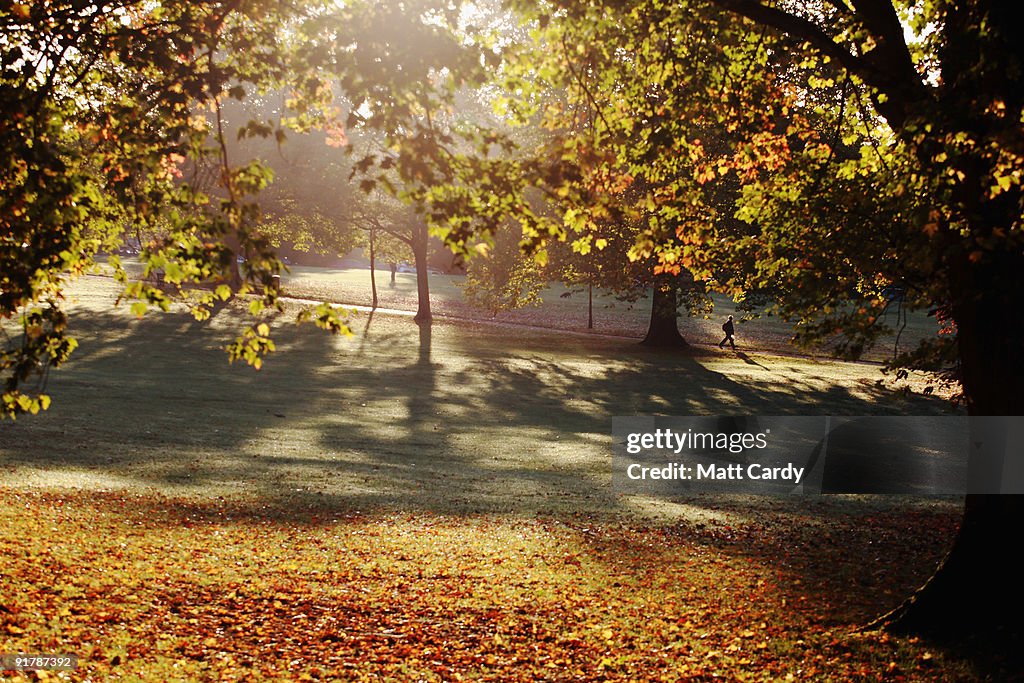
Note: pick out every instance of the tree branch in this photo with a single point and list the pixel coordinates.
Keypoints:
(888, 67)
(583, 86)
(841, 6)
(794, 26)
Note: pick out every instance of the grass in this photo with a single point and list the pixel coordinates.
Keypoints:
(565, 309)
(493, 416)
(433, 503)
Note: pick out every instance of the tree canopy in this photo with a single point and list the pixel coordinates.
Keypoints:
(837, 159)
(845, 157)
(112, 112)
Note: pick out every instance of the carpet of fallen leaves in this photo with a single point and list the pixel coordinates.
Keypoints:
(146, 587)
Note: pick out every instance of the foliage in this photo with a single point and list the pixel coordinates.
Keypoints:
(501, 278)
(114, 117)
(807, 157)
(311, 205)
(102, 108)
(941, 198)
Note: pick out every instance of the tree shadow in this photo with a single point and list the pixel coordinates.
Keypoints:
(473, 420)
(154, 400)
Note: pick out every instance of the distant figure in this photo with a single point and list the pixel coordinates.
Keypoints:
(730, 329)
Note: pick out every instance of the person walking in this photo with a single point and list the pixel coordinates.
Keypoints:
(730, 329)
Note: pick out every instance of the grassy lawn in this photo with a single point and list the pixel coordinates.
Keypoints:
(567, 310)
(434, 504)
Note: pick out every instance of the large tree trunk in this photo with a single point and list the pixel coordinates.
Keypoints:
(663, 331)
(977, 589)
(419, 249)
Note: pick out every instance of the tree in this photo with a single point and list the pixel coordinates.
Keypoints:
(602, 259)
(311, 204)
(954, 102)
(387, 226)
(615, 158)
(861, 161)
(501, 278)
(381, 246)
(107, 108)
(101, 107)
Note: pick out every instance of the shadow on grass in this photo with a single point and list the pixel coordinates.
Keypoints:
(748, 360)
(445, 418)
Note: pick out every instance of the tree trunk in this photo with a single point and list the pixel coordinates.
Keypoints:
(663, 331)
(977, 588)
(419, 249)
(234, 271)
(590, 306)
(373, 276)
(236, 274)
(394, 269)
